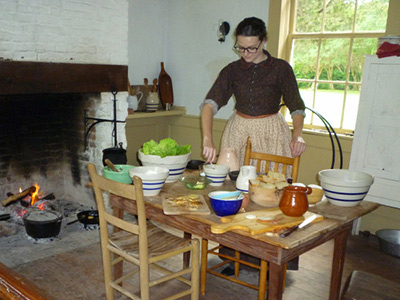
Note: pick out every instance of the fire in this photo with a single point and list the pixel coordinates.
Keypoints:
(35, 194)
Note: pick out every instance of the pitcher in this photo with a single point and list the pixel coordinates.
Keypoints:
(294, 202)
(133, 101)
(246, 173)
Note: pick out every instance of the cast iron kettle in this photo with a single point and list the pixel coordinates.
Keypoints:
(115, 154)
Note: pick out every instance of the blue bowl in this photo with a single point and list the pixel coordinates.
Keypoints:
(225, 207)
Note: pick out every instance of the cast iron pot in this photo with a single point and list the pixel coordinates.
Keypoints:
(117, 155)
(42, 227)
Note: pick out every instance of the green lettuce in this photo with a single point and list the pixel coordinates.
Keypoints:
(166, 147)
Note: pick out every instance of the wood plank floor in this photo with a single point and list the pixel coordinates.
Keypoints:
(77, 274)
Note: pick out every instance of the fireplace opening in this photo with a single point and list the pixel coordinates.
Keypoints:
(40, 133)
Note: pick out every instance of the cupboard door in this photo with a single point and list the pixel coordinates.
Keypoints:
(376, 144)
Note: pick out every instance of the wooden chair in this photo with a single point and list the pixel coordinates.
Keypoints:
(142, 245)
(264, 162)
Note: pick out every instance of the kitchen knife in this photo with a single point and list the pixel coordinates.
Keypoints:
(301, 225)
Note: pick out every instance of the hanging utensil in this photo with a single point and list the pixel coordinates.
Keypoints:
(111, 165)
(154, 85)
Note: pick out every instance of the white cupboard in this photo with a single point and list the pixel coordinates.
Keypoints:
(376, 144)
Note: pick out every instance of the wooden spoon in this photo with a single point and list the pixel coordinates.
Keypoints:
(146, 83)
(111, 165)
(154, 85)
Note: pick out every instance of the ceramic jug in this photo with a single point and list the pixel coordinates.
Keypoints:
(245, 174)
(228, 157)
(152, 101)
(133, 101)
(294, 202)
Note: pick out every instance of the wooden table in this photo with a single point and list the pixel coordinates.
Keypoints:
(277, 251)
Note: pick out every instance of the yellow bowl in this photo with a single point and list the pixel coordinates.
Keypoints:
(316, 194)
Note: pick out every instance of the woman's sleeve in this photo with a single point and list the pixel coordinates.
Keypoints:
(221, 91)
(290, 90)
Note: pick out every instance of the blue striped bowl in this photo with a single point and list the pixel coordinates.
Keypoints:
(216, 173)
(153, 178)
(344, 187)
(176, 164)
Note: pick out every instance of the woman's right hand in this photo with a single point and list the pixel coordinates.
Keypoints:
(209, 151)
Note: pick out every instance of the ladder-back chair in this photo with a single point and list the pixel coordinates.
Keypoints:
(263, 162)
(141, 244)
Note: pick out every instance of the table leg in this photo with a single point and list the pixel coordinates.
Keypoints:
(203, 267)
(275, 284)
(339, 253)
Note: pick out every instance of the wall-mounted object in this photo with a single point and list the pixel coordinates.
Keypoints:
(223, 30)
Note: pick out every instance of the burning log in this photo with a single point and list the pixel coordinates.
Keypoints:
(18, 196)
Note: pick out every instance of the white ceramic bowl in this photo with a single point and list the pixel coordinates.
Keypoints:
(216, 173)
(176, 164)
(153, 178)
(344, 187)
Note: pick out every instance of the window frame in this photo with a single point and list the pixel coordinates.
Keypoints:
(281, 20)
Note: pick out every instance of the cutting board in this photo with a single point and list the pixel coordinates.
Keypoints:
(181, 204)
(266, 220)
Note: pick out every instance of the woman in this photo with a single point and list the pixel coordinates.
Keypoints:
(259, 82)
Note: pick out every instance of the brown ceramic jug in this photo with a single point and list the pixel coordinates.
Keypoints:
(294, 202)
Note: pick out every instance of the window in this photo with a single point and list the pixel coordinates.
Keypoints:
(326, 44)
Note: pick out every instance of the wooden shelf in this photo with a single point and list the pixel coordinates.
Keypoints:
(175, 111)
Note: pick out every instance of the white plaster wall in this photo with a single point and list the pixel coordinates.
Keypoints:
(183, 34)
(89, 31)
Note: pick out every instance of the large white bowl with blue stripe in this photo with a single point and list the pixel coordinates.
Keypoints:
(153, 178)
(344, 187)
(176, 164)
(216, 173)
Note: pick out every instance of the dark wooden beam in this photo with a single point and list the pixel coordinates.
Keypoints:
(19, 77)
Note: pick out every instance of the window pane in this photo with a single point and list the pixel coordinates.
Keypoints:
(351, 107)
(361, 47)
(339, 15)
(372, 15)
(304, 58)
(329, 104)
(309, 16)
(334, 59)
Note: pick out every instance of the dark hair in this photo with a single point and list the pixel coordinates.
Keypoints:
(252, 27)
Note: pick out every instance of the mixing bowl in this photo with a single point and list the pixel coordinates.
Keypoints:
(344, 187)
(216, 173)
(176, 163)
(121, 176)
(225, 206)
(195, 182)
(153, 178)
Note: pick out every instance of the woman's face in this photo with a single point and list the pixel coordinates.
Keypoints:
(252, 43)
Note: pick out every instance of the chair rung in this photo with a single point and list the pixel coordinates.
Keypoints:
(124, 291)
(243, 262)
(238, 281)
(171, 275)
(179, 295)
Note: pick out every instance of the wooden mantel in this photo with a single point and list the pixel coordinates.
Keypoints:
(20, 77)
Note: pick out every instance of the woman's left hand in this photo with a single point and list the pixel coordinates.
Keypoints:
(297, 146)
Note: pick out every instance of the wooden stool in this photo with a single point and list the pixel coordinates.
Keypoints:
(365, 286)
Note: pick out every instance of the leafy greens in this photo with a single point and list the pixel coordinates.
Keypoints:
(166, 147)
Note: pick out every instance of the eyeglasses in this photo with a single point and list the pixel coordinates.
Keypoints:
(251, 50)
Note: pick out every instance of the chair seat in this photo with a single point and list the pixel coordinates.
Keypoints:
(362, 286)
(159, 241)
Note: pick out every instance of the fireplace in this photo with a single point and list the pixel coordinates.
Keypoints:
(42, 122)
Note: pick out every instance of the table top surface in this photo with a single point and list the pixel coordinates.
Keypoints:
(334, 216)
